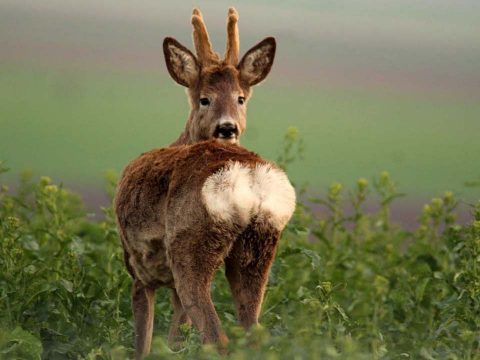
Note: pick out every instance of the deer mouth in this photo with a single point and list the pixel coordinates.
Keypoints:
(227, 132)
(230, 140)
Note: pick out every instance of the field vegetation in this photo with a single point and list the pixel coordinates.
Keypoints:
(370, 85)
(345, 284)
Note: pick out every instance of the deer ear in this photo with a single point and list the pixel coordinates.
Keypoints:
(257, 62)
(181, 63)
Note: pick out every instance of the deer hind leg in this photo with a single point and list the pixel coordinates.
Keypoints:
(143, 302)
(247, 267)
(180, 317)
(195, 258)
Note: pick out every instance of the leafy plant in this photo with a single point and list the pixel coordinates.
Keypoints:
(346, 283)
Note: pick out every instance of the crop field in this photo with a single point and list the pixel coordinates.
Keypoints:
(373, 110)
(75, 125)
(347, 285)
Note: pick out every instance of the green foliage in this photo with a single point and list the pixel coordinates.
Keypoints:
(20, 344)
(61, 276)
(292, 148)
(345, 284)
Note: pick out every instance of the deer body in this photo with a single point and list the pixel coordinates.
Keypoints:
(185, 210)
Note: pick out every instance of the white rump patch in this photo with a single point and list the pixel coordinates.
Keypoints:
(275, 193)
(228, 194)
(238, 192)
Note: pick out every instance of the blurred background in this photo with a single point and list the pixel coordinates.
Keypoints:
(370, 85)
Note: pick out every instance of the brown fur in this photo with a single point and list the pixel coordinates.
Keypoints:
(201, 40)
(169, 238)
(233, 40)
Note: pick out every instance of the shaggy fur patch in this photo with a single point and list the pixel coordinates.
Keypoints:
(238, 192)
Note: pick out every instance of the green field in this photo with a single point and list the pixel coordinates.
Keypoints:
(369, 87)
(341, 287)
(75, 124)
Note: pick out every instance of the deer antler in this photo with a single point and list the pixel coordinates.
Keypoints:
(233, 41)
(201, 41)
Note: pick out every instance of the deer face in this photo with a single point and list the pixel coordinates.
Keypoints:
(218, 89)
(219, 104)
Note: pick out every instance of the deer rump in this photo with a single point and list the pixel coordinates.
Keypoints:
(186, 206)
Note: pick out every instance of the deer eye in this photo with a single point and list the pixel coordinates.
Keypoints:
(241, 100)
(204, 101)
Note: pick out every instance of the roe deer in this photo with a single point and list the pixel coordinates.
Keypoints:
(184, 210)
(218, 90)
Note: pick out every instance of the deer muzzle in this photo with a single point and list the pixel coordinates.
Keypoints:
(226, 131)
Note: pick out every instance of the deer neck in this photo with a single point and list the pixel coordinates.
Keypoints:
(185, 137)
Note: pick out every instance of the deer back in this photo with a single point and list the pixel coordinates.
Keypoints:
(212, 181)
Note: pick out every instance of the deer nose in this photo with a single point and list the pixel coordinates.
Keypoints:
(226, 130)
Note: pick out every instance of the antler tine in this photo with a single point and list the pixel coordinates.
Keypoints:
(233, 40)
(201, 41)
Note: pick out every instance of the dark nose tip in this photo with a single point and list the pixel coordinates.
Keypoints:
(226, 131)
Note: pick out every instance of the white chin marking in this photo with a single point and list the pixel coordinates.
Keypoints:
(232, 140)
(237, 192)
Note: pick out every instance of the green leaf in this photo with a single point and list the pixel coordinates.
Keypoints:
(314, 257)
(420, 289)
(68, 285)
(19, 344)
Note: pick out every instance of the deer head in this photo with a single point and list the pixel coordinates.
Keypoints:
(218, 89)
